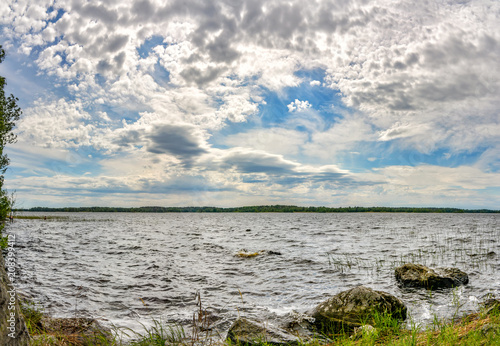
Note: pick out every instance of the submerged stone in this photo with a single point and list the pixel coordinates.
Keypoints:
(418, 275)
(348, 310)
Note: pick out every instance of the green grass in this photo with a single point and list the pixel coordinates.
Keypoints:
(32, 317)
(158, 334)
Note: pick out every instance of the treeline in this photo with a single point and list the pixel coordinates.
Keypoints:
(261, 209)
(9, 114)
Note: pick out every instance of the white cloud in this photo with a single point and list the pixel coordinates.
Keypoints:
(439, 179)
(402, 131)
(275, 140)
(344, 134)
(298, 106)
(58, 124)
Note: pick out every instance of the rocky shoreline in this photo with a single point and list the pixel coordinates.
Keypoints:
(350, 313)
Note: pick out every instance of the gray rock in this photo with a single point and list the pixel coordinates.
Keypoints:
(246, 332)
(418, 275)
(301, 325)
(348, 310)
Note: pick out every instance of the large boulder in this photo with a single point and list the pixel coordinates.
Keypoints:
(418, 275)
(246, 332)
(348, 310)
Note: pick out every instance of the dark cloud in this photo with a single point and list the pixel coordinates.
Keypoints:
(178, 140)
(220, 49)
(119, 60)
(142, 10)
(195, 75)
(331, 180)
(104, 66)
(97, 12)
(129, 138)
(116, 43)
(114, 65)
(257, 162)
(263, 168)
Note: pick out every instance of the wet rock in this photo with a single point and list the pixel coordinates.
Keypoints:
(246, 332)
(353, 308)
(418, 275)
(300, 324)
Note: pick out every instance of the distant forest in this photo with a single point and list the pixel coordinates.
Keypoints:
(261, 209)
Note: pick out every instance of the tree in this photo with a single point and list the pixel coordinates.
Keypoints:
(9, 114)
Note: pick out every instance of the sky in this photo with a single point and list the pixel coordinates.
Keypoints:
(247, 102)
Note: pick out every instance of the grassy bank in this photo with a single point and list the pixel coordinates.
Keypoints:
(482, 328)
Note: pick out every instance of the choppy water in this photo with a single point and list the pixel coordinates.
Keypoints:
(128, 268)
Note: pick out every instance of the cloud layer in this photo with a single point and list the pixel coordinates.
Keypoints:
(329, 102)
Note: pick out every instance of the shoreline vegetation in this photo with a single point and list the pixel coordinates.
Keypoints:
(257, 209)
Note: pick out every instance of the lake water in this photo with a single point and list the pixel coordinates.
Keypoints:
(128, 268)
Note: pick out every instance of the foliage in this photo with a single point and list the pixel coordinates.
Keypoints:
(9, 114)
(261, 209)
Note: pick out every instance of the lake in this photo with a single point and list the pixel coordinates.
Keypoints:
(128, 268)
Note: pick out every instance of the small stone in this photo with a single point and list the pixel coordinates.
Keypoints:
(365, 329)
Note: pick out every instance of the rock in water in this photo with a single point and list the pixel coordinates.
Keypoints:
(246, 332)
(356, 307)
(418, 275)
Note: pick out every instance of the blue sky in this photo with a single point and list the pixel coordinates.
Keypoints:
(177, 103)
